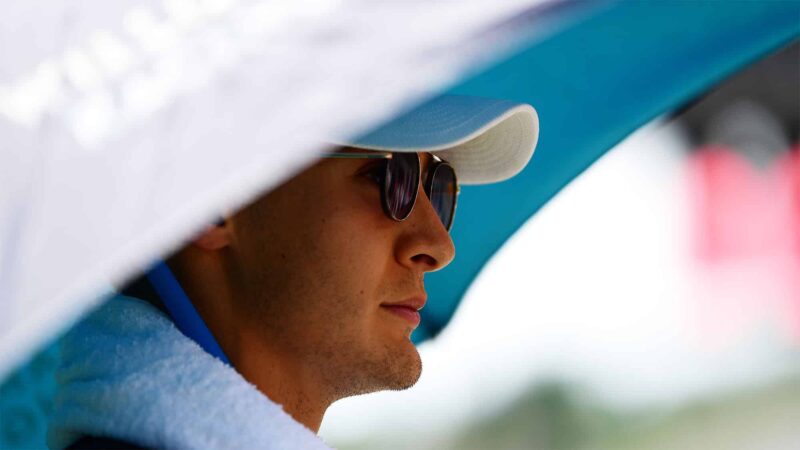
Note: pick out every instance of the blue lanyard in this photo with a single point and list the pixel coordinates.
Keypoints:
(183, 312)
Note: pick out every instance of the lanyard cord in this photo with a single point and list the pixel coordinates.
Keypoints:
(183, 312)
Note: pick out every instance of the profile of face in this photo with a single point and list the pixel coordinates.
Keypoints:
(315, 271)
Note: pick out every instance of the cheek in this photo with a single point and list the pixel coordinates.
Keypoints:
(350, 279)
(321, 260)
(326, 269)
(351, 237)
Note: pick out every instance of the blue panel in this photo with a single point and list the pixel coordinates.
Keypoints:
(26, 400)
(593, 84)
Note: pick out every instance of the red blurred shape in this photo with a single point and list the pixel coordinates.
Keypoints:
(746, 216)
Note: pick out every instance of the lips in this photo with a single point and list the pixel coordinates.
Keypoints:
(407, 309)
(409, 314)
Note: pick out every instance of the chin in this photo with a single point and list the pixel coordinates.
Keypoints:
(405, 369)
(392, 369)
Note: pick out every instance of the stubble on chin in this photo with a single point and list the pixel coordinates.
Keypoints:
(392, 367)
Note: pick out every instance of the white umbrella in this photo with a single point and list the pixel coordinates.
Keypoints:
(126, 125)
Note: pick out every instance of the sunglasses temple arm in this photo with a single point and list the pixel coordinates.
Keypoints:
(358, 155)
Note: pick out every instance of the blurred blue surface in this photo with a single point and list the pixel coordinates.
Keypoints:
(592, 84)
(25, 401)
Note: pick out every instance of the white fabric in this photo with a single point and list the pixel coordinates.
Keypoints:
(126, 125)
(127, 373)
(486, 140)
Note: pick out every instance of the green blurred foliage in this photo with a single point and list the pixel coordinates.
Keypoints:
(559, 416)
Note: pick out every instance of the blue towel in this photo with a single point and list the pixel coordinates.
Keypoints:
(129, 374)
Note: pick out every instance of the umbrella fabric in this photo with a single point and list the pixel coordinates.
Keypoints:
(592, 85)
(127, 125)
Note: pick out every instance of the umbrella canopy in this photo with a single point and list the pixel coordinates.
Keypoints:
(126, 126)
(592, 85)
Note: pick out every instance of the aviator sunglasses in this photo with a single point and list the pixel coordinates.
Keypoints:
(400, 179)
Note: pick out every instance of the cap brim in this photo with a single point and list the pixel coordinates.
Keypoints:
(485, 140)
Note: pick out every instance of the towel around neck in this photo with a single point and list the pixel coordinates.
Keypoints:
(127, 373)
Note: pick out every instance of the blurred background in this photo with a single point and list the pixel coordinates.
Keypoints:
(654, 303)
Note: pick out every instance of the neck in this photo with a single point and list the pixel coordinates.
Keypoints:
(275, 372)
(282, 379)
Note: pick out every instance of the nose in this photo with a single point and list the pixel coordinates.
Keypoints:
(424, 244)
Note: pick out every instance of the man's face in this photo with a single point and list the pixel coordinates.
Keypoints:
(315, 264)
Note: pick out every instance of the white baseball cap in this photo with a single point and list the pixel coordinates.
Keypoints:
(485, 140)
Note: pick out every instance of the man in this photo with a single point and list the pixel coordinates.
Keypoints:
(309, 294)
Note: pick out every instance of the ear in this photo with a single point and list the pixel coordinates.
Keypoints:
(214, 237)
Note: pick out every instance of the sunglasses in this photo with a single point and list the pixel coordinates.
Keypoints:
(400, 179)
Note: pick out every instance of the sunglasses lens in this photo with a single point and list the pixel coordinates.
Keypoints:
(443, 193)
(402, 183)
